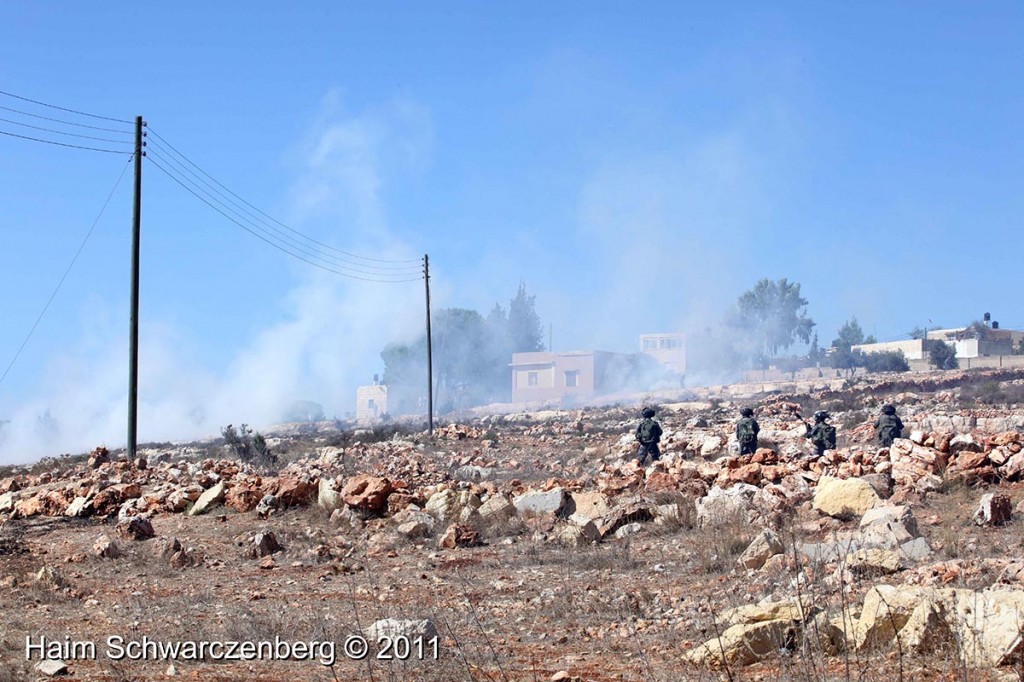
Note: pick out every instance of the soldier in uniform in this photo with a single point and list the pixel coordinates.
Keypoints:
(888, 426)
(648, 432)
(746, 432)
(822, 435)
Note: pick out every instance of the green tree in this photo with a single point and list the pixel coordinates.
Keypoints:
(774, 312)
(886, 361)
(942, 355)
(850, 334)
(524, 330)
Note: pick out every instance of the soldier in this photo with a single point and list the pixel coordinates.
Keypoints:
(822, 435)
(746, 432)
(648, 432)
(888, 426)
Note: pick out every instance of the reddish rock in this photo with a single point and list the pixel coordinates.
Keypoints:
(661, 481)
(942, 441)
(459, 535)
(397, 501)
(243, 498)
(749, 473)
(293, 492)
(98, 457)
(765, 456)
(1004, 438)
(367, 492)
(994, 509)
(135, 528)
(969, 460)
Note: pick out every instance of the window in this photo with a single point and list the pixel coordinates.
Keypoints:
(650, 344)
(669, 343)
(572, 378)
(531, 378)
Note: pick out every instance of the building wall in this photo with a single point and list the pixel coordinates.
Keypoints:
(371, 402)
(668, 349)
(550, 372)
(914, 349)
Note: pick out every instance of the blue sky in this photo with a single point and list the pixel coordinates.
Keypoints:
(638, 166)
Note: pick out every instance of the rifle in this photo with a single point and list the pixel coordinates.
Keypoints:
(801, 418)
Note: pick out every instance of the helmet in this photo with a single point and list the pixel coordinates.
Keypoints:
(747, 412)
(888, 409)
(648, 412)
(820, 416)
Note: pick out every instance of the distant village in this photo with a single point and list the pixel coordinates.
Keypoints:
(572, 377)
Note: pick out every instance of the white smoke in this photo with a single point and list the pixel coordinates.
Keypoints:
(326, 339)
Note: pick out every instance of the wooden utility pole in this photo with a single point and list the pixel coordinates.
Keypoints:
(133, 316)
(430, 354)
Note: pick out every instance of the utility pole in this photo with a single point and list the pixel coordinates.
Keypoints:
(133, 316)
(430, 354)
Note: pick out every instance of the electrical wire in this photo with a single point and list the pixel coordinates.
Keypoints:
(62, 132)
(262, 226)
(242, 220)
(300, 234)
(66, 271)
(268, 241)
(71, 111)
(67, 123)
(64, 144)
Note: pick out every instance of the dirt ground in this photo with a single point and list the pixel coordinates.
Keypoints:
(518, 607)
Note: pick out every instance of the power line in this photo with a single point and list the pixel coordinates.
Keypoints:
(68, 123)
(66, 272)
(300, 234)
(71, 111)
(241, 220)
(62, 132)
(64, 144)
(268, 241)
(262, 226)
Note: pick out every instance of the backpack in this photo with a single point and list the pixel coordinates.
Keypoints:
(648, 432)
(745, 432)
(887, 428)
(828, 433)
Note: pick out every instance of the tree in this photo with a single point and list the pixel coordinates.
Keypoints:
(845, 357)
(524, 330)
(870, 338)
(979, 330)
(850, 334)
(774, 312)
(886, 361)
(942, 355)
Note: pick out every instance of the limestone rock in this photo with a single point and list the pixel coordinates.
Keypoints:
(765, 545)
(394, 627)
(723, 507)
(497, 509)
(209, 499)
(873, 562)
(537, 502)
(105, 548)
(888, 526)
(843, 498)
(52, 667)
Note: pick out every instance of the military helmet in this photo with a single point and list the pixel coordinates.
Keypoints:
(746, 412)
(820, 416)
(648, 412)
(888, 409)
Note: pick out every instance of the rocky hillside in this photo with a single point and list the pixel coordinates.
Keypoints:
(532, 546)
